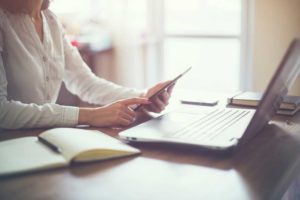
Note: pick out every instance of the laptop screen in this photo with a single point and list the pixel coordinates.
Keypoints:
(282, 80)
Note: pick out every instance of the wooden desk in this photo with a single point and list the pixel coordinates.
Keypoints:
(263, 169)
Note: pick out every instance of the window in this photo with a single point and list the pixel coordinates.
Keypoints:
(207, 35)
(168, 36)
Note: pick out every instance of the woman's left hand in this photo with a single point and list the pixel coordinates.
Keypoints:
(160, 101)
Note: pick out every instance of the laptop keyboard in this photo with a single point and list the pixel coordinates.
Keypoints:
(211, 125)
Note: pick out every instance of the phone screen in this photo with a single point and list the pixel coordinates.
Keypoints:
(165, 87)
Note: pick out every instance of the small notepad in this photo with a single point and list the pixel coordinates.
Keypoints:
(71, 145)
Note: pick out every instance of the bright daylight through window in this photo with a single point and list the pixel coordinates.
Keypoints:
(169, 36)
(204, 34)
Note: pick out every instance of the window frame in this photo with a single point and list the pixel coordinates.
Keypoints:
(156, 24)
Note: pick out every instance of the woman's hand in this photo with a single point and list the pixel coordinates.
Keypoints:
(115, 114)
(160, 101)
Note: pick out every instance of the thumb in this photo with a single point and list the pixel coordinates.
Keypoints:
(133, 101)
(170, 89)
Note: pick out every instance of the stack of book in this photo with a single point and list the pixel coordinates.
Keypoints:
(289, 106)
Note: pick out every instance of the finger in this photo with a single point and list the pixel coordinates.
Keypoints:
(159, 103)
(128, 111)
(127, 117)
(166, 83)
(153, 108)
(165, 98)
(124, 122)
(158, 87)
(133, 101)
(170, 89)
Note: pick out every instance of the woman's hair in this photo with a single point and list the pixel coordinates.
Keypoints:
(21, 6)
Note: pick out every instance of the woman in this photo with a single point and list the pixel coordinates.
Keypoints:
(36, 58)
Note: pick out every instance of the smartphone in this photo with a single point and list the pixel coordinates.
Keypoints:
(201, 102)
(159, 92)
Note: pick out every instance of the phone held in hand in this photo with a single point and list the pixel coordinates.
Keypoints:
(159, 92)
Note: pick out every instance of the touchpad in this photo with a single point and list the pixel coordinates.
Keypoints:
(174, 120)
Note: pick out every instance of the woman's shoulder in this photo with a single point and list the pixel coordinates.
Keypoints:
(7, 18)
(50, 15)
(52, 18)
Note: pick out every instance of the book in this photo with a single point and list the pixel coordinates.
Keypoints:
(245, 99)
(59, 147)
(253, 99)
(287, 112)
(290, 102)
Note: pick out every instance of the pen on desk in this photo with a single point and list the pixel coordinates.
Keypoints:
(48, 144)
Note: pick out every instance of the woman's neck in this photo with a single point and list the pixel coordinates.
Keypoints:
(36, 17)
(36, 9)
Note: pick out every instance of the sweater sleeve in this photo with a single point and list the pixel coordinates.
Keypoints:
(80, 80)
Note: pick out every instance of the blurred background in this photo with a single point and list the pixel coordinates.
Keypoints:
(231, 44)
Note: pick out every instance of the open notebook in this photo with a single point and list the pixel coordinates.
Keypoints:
(57, 148)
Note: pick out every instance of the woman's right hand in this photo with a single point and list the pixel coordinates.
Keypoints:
(115, 114)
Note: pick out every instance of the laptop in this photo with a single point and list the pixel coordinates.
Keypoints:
(220, 128)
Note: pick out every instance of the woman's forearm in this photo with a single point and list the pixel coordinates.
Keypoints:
(16, 115)
(84, 115)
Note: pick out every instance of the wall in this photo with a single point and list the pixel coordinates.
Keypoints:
(276, 23)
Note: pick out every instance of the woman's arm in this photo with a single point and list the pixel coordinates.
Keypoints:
(15, 114)
(80, 80)
(118, 113)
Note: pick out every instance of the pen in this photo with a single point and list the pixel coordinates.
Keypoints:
(48, 144)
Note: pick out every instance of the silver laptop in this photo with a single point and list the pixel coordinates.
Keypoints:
(221, 128)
